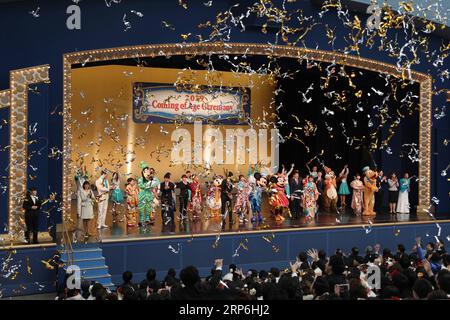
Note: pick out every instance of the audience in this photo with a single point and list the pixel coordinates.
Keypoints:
(422, 275)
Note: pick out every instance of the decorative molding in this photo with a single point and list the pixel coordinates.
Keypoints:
(5, 98)
(18, 128)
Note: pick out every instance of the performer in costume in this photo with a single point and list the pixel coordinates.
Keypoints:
(116, 195)
(148, 186)
(278, 199)
(167, 189)
(103, 188)
(370, 188)
(329, 193)
(358, 191)
(403, 197)
(214, 200)
(310, 195)
(258, 184)
(343, 188)
(242, 205)
(195, 206)
(132, 191)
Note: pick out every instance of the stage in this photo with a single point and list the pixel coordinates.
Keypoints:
(206, 226)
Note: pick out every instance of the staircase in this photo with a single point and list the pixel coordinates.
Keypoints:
(89, 258)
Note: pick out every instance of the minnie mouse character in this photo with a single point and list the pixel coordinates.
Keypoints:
(278, 200)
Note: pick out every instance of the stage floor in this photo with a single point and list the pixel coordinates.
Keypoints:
(118, 230)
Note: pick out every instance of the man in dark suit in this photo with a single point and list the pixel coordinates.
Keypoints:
(381, 183)
(167, 204)
(295, 187)
(32, 206)
(226, 198)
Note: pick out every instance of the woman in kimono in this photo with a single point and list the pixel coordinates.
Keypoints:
(242, 205)
(403, 196)
(357, 198)
(85, 210)
(116, 194)
(310, 195)
(195, 205)
(132, 191)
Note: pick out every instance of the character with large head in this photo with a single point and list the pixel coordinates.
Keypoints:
(370, 187)
(278, 199)
(214, 198)
(258, 185)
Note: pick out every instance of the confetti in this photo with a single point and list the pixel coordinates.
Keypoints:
(241, 245)
(139, 14)
(173, 250)
(126, 23)
(35, 13)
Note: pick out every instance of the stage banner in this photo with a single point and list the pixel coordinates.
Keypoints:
(161, 103)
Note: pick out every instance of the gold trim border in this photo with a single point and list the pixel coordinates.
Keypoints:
(83, 57)
(18, 154)
(5, 98)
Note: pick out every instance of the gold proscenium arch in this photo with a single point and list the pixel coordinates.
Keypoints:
(16, 99)
(249, 49)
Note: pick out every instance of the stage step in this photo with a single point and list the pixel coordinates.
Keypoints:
(89, 258)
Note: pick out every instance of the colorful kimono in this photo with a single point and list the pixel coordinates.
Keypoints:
(242, 199)
(214, 200)
(310, 195)
(132, 204)
(357, 198)
(195, 205)
(116, 194)
(147, 197)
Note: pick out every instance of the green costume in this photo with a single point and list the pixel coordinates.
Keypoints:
(146, 196)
